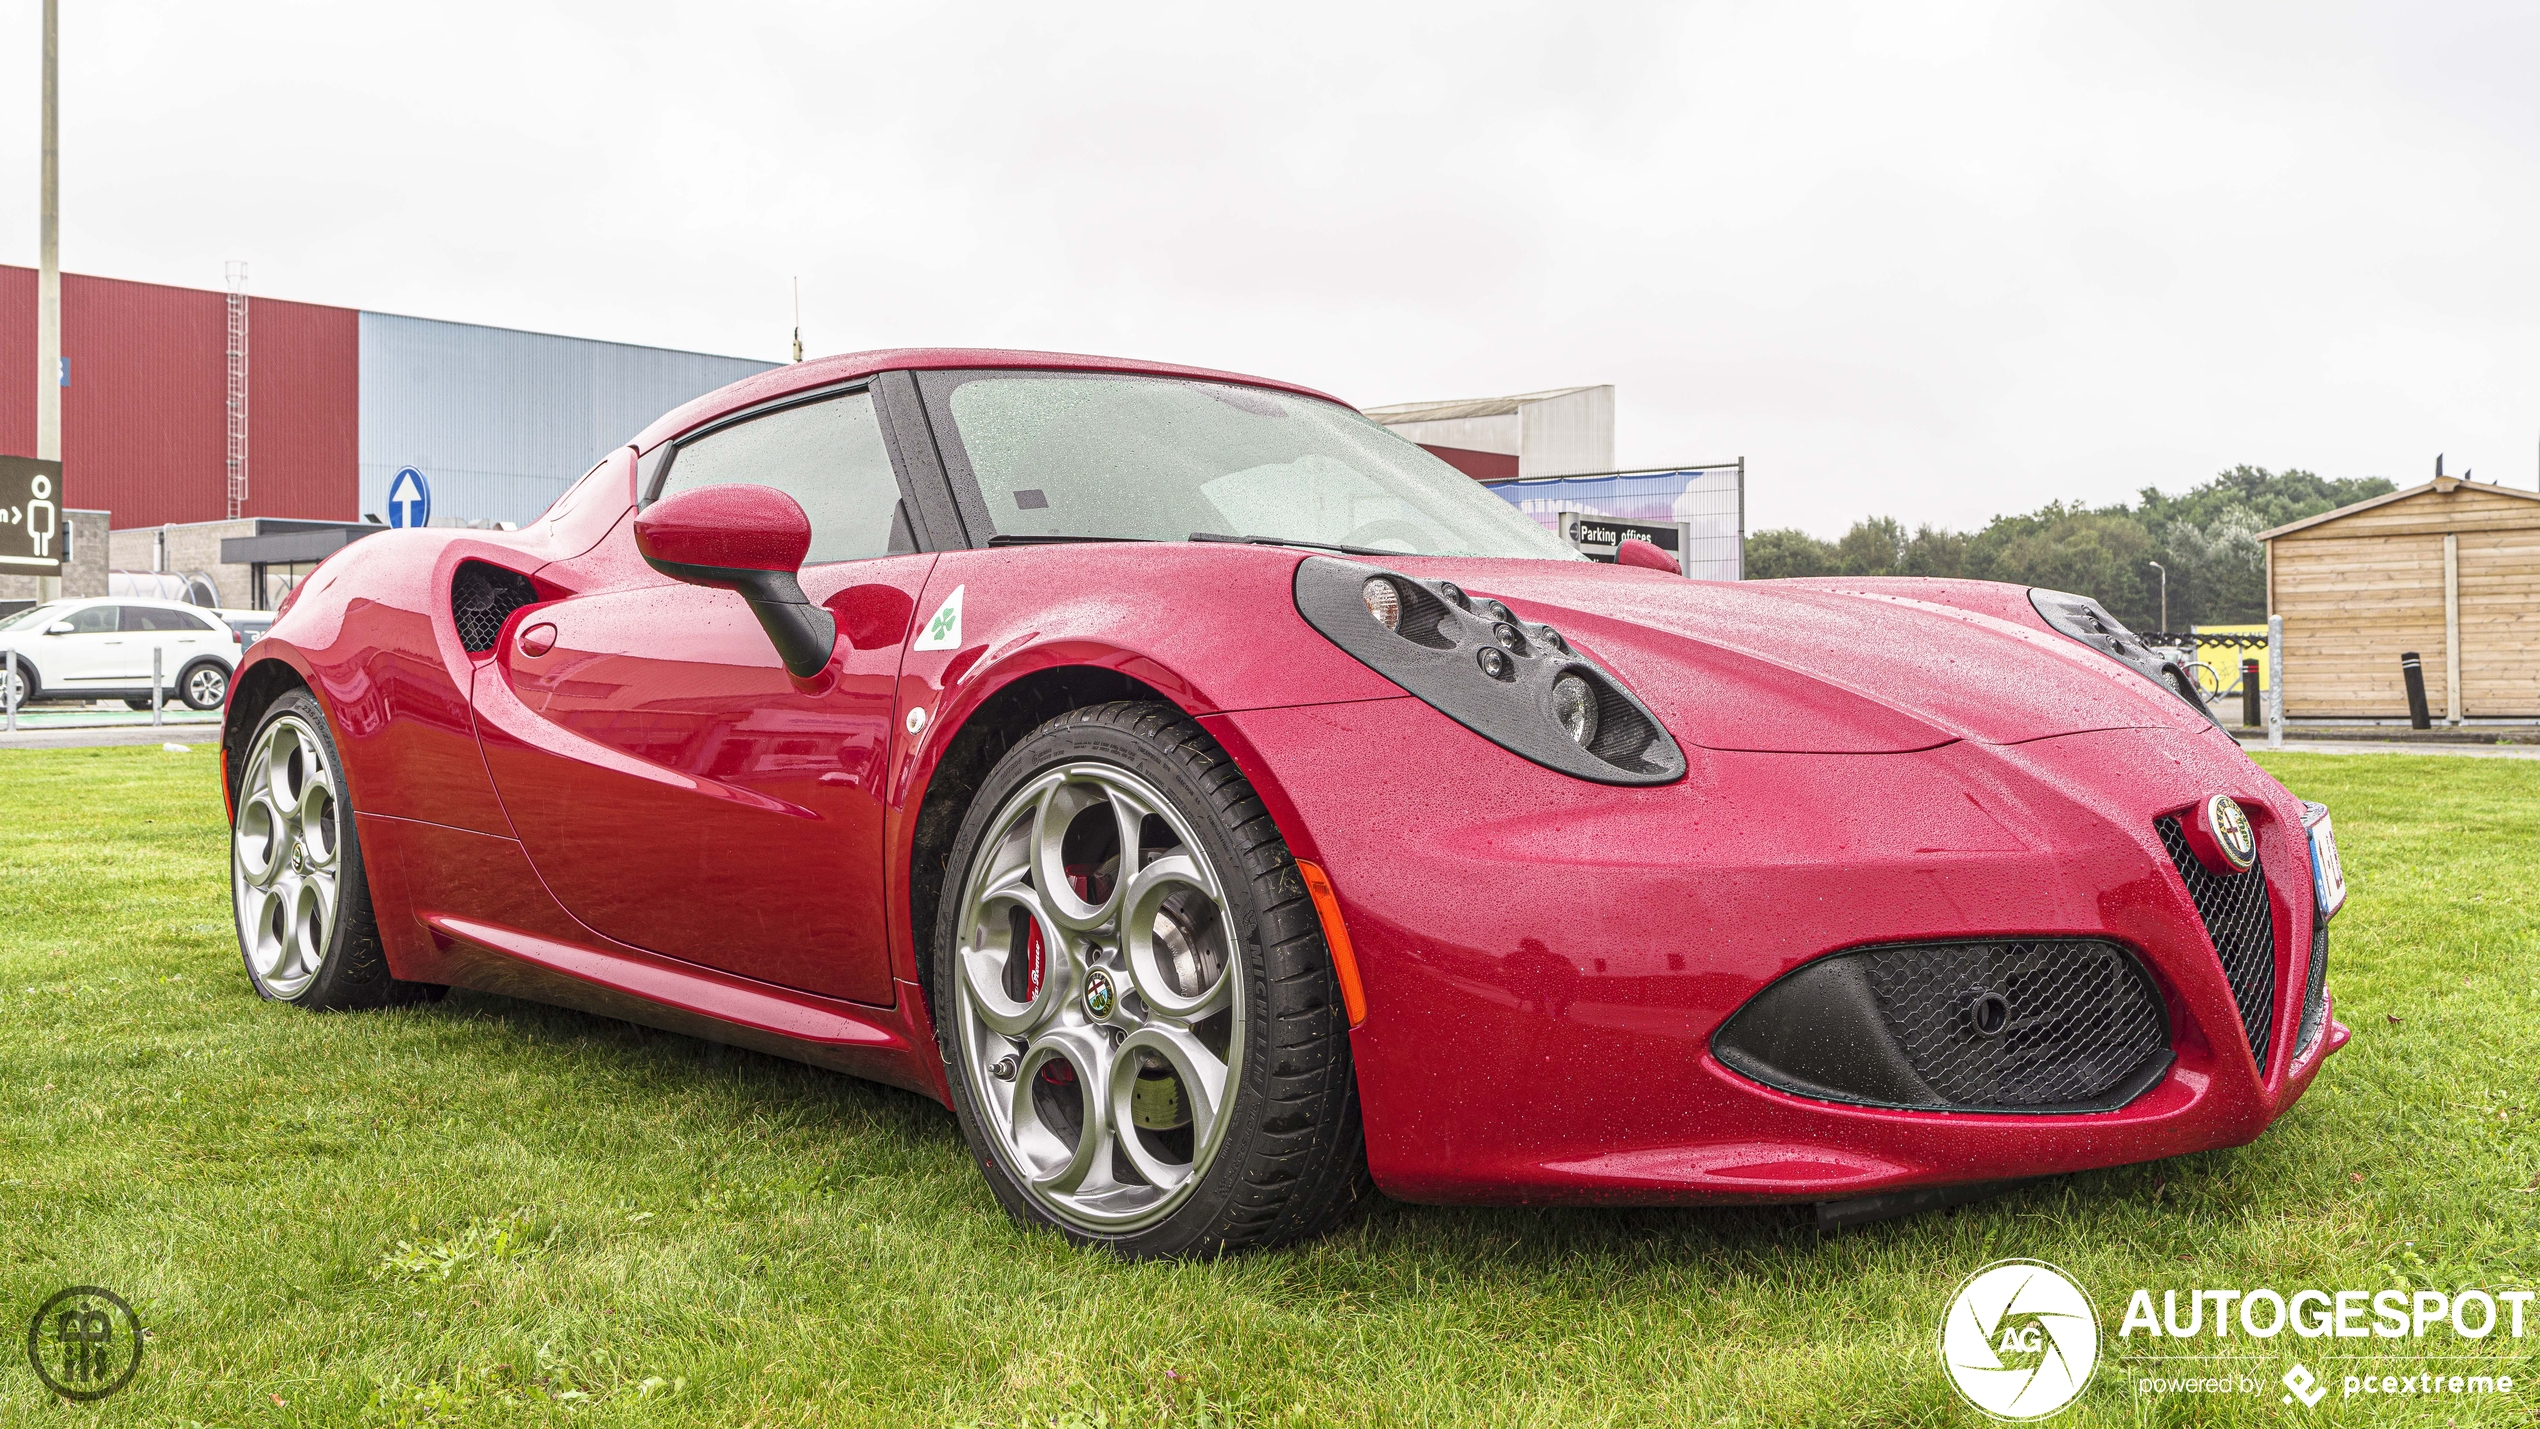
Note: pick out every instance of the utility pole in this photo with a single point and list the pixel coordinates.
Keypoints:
(48, 281)
(2165, 593)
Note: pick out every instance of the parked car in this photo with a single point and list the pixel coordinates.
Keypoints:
(101, 650)
(251, 625)
(1219, 801)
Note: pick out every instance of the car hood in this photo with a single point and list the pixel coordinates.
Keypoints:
(1785, 667)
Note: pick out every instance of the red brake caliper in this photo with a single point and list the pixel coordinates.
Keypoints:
(1033, 957)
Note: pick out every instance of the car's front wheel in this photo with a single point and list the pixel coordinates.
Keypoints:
(305, 925)
(1144, 1033)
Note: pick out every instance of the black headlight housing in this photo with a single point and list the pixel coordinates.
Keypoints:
(1457, 654)
(2089, 622)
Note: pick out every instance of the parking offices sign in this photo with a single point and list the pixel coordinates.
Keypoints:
(33, 534)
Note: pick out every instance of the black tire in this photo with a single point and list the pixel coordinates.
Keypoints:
(1292, 1160)
(204, 685)
(353, 971)
(26, 674)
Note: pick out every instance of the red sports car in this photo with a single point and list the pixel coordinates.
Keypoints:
(1218, 801)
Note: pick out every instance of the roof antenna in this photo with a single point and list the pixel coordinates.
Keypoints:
(798, 319)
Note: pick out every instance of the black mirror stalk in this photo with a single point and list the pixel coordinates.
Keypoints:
(804, 634)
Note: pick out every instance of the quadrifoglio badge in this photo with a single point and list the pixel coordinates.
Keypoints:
(2020, 1338)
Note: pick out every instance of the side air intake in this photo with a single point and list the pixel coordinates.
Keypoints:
(482, 597)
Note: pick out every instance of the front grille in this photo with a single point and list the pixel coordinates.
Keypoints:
(2315, 998)
(2077, 1018)
(482, 597)
(2026, 1025)
(2240, 925)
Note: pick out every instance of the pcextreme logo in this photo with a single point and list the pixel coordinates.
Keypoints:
(2019, 1340)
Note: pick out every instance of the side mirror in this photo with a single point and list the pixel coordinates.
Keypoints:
(61, 627)
(1637, 552)
(749, 539)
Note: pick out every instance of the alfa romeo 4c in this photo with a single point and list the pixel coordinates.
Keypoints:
(1222, 804)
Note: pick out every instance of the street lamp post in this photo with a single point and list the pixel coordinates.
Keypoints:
(2165, 593)
(48, 282)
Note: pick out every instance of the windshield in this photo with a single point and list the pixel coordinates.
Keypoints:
(32, 619)
(1164, 459)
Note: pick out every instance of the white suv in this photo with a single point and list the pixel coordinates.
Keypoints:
(101, 649)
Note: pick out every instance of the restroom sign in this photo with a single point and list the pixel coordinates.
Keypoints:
(32, 531)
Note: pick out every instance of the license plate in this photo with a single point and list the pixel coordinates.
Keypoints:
(2328, 876)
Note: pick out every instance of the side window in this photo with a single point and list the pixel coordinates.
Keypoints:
(149, 617)
(95, 620)
(826, 455)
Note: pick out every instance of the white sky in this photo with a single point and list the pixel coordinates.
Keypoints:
(1936, 262)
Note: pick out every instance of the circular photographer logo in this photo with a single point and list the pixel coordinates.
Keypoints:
(84, 1343)
(2019, 1339)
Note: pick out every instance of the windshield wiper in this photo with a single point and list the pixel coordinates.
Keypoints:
(1286, 541)
(1006, 540)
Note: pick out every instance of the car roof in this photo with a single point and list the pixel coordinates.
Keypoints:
(847, 367)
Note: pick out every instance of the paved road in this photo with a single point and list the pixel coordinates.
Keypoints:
(2361, 746)
(194, 736)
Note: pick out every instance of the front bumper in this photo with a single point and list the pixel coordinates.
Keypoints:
(1546, 961)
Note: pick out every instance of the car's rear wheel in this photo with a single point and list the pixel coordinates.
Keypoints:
(305, 925)
(1145, 1037)
(204, 684)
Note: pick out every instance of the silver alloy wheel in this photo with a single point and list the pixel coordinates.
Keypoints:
(285, 856)
(1101, 1016)
(206, 687)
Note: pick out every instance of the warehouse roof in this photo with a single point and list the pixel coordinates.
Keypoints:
(1464, 407)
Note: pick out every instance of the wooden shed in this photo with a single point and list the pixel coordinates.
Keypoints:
(2450, 569)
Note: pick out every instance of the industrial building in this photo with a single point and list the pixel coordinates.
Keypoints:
(242, 437)
(1547, 453)
(1568, 431)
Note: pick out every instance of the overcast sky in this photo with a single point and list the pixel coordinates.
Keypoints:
(1930, 261)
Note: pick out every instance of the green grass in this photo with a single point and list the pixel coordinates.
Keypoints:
(491, 1212)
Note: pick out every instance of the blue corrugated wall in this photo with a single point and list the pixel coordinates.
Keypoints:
(502, 421)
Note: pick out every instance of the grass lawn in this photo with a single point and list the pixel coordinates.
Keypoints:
(491, 1212)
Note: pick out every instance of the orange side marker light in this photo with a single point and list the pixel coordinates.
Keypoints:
(1327, 906)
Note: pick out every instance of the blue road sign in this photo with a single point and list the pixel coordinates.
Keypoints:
(409, 498)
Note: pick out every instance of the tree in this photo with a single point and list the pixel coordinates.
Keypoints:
(1875, 546)
(1934, 551)
(2100, 554)
(2207, 537)
(1779, 554)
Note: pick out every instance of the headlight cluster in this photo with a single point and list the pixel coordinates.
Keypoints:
(1519, 685)
(2089, 622)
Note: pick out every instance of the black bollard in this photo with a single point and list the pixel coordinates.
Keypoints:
(2412, 670)
(2252, 713)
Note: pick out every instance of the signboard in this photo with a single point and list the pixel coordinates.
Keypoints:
(1600, 537)
(34, 539)
(409, 499)
(1707, 501)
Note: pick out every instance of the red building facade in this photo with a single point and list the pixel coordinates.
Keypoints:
(143, 418)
